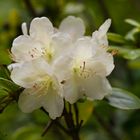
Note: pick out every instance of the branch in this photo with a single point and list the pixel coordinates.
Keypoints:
(73, 130)
(48, 126)
(76, 114)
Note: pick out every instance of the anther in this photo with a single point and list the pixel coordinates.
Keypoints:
(114, 52)
(63, 82)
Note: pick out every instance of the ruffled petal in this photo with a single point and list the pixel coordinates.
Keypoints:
(53, 103)
(106, 59)
(104, 27)
(83, 49)
(29, 73)
(61, 42)
(28, 101)
(95, 68)
(96, 87)
(72, 90)
(41, 29)
(24, 28)
(62, 67)
(73, 26)
(99, 37)
(25, 48)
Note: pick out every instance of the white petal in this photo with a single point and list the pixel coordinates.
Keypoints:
(61, 42)
(104, 27)
(30, 73)
(24, 28)
(28, 101)
(96, 68)
(41, 29)
(53, 103)
(83, 49)
(73, 26)
(14, 65)
(72, 91)
(62, 67)
(106, 59)
(109, 63)
(97, 87)
(99, 37)
(25, 48)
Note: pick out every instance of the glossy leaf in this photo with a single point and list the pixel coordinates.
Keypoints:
(8, 85)
(3, 93)
(4, 72)
(123, 99)
(116, 38)
(125, 52)
(131, 34)
(132, 22)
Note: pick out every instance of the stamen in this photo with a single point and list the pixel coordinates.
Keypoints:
(114, 52)
(84, 65)
(84, 73)
(63, 82)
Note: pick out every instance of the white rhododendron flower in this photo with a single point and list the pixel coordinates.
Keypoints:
(85, 69)
(44, 40)
(34, 55)
(52, 64)
(42, 88)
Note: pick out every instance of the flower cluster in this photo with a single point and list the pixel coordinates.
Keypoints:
(55, 64)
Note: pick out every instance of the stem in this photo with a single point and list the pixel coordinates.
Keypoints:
(49, 125)
(75, 136)
(73, 129)
(77, 114)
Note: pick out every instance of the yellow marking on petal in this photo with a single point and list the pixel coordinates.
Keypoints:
(42, 87)
(82, 71)
(48, 53)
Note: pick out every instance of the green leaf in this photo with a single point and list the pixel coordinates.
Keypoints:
(7, 88)
(3, 93)
(8, 85)
(4, 72)
(116, 38)
(131, 34)
(123, 99)
(132, 22)
(127, 53)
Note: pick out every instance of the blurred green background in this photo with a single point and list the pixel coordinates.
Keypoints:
(107, 123)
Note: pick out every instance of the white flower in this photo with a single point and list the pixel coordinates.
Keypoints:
(34, 55)
(55, 63)
(44, 40)
(84, 71)
(41, 87)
